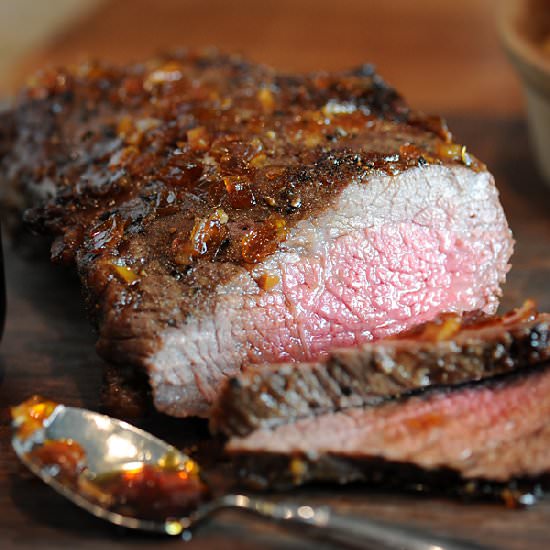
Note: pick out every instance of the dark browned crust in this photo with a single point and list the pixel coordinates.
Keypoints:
(282, 472)
(119, 165)
(264, 397)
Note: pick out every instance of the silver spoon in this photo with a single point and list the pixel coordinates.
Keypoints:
(112, 444)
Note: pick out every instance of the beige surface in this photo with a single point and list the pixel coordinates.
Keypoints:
(28, 24)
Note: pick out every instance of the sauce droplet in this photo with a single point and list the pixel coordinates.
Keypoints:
(263, 240)
(29, 416)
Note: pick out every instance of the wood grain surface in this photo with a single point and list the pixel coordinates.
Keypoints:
(445, 57)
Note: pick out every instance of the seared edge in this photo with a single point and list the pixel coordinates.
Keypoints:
(268, 471)
(270, 395)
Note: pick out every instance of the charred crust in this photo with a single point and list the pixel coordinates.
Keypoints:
(261, 471)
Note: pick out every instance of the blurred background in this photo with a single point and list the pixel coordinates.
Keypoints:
(444, 56)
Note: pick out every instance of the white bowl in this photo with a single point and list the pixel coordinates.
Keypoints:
(524, 27)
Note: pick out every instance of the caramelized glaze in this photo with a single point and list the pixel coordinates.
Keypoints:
(195, 165)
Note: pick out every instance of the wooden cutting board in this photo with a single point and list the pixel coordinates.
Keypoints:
(48, 346)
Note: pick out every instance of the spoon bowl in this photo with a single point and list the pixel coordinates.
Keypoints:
(110, 445)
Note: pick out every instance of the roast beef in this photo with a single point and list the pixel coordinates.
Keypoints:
(495, 431)
(221, 214)
(450, 350)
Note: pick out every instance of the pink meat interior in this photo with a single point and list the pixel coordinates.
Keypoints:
(391, 254)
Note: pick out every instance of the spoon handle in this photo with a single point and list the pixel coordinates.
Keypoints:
(351, 531)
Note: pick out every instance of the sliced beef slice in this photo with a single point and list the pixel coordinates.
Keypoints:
(221, 214)
(495, 431)
(451, 350)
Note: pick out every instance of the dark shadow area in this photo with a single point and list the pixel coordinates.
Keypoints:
(47, 337)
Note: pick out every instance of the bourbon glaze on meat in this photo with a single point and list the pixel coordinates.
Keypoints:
(209, 158)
